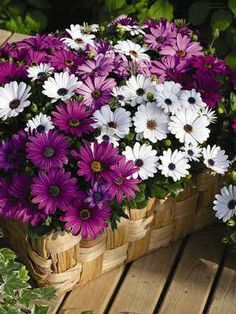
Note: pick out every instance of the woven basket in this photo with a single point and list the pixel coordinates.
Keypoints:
(63, 260)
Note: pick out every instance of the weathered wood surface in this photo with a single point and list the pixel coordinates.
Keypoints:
(188, 277)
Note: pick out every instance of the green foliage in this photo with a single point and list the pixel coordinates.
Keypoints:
(198, 12)
(17, 296)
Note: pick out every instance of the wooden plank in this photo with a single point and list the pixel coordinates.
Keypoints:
(195, 273)
(17, 37)
(4, 36)
(144, 282)
(224, 300)
(95, 295)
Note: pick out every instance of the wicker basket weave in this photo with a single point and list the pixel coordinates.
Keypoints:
(63, 260)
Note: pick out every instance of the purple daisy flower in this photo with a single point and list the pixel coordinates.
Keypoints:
(54, 189)
(123, 184)
(183, 47)
(96, 91)
(34, 57)
(84, 220)
(97, 195)
(8, 204)
(96, 161)
(100, 46)
(99, 66)
(9, 155)
(47, 150)
(208, 64)
(10, 71)
(73, 118)
(65, 60)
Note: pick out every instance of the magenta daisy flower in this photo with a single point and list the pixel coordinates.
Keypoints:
(47, 150)
(97, 195)
(10, 71)
(208, 64)
(233, 125)
(64, 59)
(84, 220)
(73, 118)
(124, 184)
(34, 58)
(8, 204)
(99, 66)
(53, 190)
(10, 155)
(183, 48)
(97, 91)
(96, 161)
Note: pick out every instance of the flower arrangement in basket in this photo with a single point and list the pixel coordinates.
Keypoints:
(125, 127)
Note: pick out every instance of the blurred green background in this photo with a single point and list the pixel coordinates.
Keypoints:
(215, 19)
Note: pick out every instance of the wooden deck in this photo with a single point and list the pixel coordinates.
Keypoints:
(195, 275)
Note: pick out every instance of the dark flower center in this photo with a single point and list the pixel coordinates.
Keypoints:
(151, 124)
(171, 166)
(96, 166)
(105, 137)
(97, 196)
(190, 152)
(41, 74)
(74, 123)
(168, 101)
(40, 128)
(85, 214)
(138, 162)
(48, 152)
(140, 91)
(96, 94)
(119, 181)
(133, 53)
(120, 97)
(232, 204)
(211, 162)
(62, 91)
(69, 62)
(192, 100)
(15, 103)
(188, 128)
(79, 41)
(160, 39)
(112, 124)
(207, 65)
(33, 63)
(54, 190)
(181, 53)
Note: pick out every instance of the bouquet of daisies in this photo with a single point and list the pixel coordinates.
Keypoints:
(98, 119)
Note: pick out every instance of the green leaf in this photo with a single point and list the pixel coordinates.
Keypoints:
(157, 191)
(232, 6)
(23, 274)
(3, 311)
(231, 60)
(7, 254)
(161, 8)
(40, 4)
(198, 12)
(114, 5)
(221, 19)
(11, 283)
(14, 311)
(41, 309)
(36, 21)
(45, 293)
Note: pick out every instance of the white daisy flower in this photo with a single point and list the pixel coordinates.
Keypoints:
(174, 164)
(122, 94)
(225, 203)
(119, 120)
(40, 123)
(78, 40)
(209, 113)
(167, 96)
(86, 28)
(215, 159)
(108, 134)
(193, 152)
(39, 71)
(13, 99)
(131, 49)
(152, 122)
(61, 86)
(189, 127)
(144, 157)
(191, 99)
(132, 29)
(141, 88)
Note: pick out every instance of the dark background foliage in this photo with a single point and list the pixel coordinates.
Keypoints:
(215, 19)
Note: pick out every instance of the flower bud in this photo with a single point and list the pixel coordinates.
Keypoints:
(167, 143)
